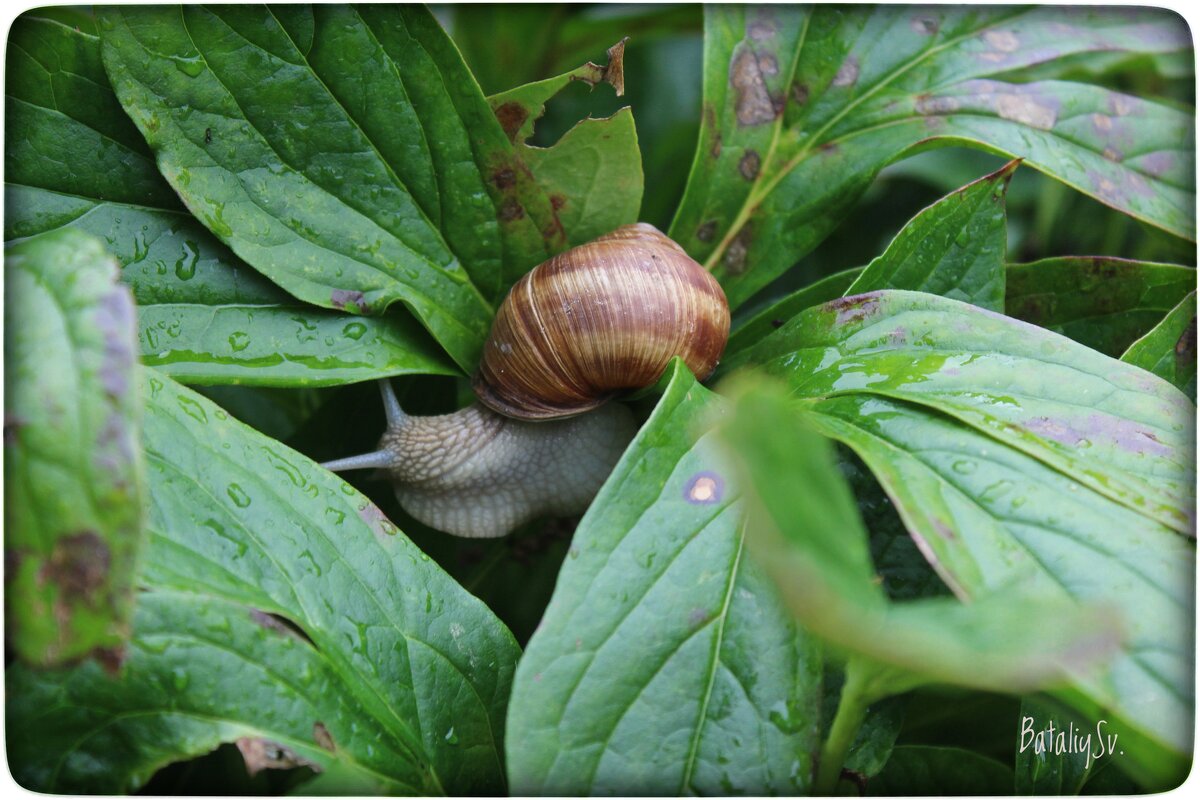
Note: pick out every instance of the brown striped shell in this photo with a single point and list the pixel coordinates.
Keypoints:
(599, 319)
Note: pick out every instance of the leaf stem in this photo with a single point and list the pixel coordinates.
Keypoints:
(852, 710)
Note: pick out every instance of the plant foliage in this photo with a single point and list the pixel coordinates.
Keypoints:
(935, 473)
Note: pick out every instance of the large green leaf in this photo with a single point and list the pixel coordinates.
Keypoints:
(1169, 348)
(407, 674)
(61, 113)
(665, 663)
(1111, 427)
(73, 471)
(804, 107)
(1104, 303)
(280, 345)
(345, 153)
(954, 248)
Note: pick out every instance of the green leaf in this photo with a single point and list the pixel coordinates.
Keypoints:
(282, 345)
(593, 175)
(73, 471)
(1046, 762)
(804, 530)
(60, 114)
(803, 108)
(664, 663)
(330, 150)
(1111, 427)
(954, 248)
(779, 312)
(407, 673)
(1169, 348)
(940, 771)
(1102, 302)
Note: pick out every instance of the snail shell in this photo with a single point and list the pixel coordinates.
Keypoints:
(598, 319)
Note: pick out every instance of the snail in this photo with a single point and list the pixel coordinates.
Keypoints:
(580, 328)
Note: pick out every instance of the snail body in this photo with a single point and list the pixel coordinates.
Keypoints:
(601, 318)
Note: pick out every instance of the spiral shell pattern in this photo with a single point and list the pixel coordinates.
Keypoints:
(599, 319)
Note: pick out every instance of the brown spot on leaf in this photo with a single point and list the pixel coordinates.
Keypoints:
(346, 298)
(557, 201)
(929, 104)
(927, 26)
(847, 73)
(1185, 348)
(114, 318)
(1002, 41)
(1026, 110)
(1158, 163)
(78, 566)
(322, 737)
(511, 210)
(735, 255)
(767, 64)
(260, 754)
(706, 231)
(1112, 154)
(697, 617)
(1121, 105)
(748, 166)
(799, 93)
(512, 116)
(854, 308)
(1102, 122)
(504, 178)
(752, 102)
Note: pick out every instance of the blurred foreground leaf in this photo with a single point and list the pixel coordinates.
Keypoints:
(73, 472)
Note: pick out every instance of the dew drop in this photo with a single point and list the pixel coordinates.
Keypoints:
(238, 495)
(193, 409)
(185, 267)
(239, 340)
(354, 330)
